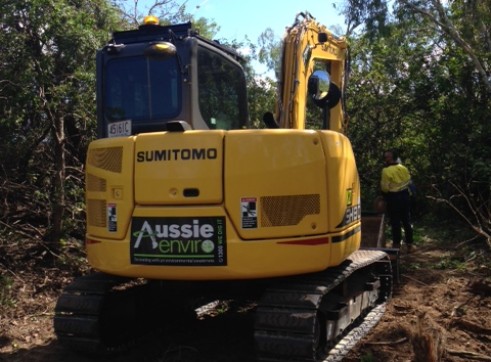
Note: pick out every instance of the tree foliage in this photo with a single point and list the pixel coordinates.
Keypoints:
(47, 105)
(132, 14)
(372, 15)
(419, 82)
(417, 86)
(472, 36)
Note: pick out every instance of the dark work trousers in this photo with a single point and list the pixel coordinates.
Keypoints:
(399, 212)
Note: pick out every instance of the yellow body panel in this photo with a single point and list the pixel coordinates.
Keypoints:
(168, 164)
(280, 165)
(245, 260)
(109, 186)
(265, 203)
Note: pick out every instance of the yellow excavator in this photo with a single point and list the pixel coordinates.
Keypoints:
(185, 202)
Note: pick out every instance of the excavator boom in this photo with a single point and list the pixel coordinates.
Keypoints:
(308, 47)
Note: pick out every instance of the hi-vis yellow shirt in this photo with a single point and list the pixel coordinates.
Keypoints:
(395, 178)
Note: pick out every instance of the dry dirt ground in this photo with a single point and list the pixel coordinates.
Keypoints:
(441, 311)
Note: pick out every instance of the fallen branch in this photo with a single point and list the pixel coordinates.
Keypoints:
(462, 243)
(470, 326)
(414, 280)
(387, 343)
(457, 310)
(479, 223)
(4, 266)
(17, 230)
(468, 355)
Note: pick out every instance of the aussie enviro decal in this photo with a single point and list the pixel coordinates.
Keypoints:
(185, 241)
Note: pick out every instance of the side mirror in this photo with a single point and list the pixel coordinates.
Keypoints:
(318, 84)
(323, 92)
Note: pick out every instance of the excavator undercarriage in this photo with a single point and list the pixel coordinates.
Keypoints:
(301, 318)
(304, 318)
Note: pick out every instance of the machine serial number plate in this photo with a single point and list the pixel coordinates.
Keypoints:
(119, 129)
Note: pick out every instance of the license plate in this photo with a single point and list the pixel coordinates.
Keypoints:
(119, 129)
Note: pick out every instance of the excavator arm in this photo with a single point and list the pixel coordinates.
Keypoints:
(313, 63)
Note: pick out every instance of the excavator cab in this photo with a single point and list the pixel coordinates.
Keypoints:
(160, 78)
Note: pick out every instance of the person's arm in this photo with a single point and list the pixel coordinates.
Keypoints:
(384, 181)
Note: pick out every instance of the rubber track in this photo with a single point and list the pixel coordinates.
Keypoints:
(346, 344)
(97, 314)
(285, 316)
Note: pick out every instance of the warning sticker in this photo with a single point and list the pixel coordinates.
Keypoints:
(112, 219)
(248, 206)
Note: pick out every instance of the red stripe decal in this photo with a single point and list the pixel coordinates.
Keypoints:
(318, 241)
(91, 241)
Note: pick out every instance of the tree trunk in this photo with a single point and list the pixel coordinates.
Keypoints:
(57, 198)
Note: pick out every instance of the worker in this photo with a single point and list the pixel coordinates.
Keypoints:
(395, 182)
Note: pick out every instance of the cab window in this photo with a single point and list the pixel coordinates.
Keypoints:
(222, 95)
(142, 89)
